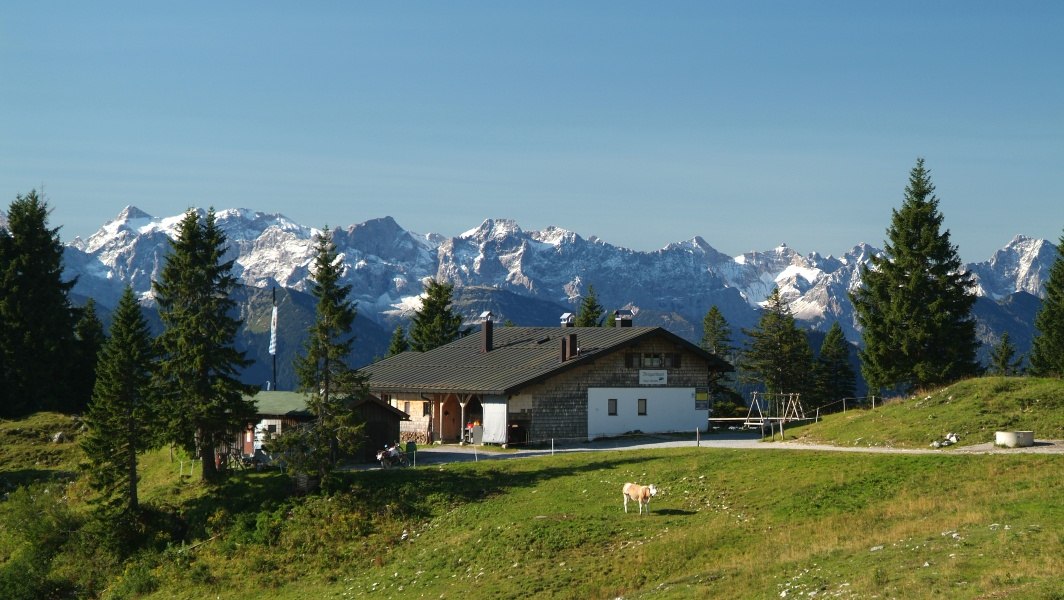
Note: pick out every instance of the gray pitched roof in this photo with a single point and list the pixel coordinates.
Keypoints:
(294, 405)
(520, 356)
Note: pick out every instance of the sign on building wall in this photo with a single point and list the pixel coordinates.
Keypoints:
(701, 398)
(653, 377)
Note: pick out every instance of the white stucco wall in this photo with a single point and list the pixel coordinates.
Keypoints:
(668, 409)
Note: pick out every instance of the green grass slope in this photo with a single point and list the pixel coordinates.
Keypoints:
(29, 454)
(974, 409)
(726, 524)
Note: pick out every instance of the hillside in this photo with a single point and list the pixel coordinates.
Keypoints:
(726, 523)
(974, 409)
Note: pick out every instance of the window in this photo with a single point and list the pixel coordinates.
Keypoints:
(642, 402)
(271, 428)
(406, 407)
(426, 410)
(673, 360)
(652, 360)
(611, 406)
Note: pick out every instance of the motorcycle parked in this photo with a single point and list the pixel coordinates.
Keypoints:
(392, 456)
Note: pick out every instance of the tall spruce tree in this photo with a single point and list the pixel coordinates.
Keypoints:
(398, 344)
(89, 338)
(206, 403)
(435, 323)
(915, 305)
(590, 313)
(1003, 359)
(123, 418)
(835, 377)
(36, 318)
(716, 338)
(778, 354)
(330, 383)
(1047, 350)
(716, 334)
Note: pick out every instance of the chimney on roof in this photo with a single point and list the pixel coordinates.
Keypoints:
(569, 347)
(487, 330)
(568, 319)
(622, 317)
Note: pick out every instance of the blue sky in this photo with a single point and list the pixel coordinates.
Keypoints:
(747, 123)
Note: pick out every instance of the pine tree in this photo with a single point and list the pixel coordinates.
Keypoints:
(435, 323)
(778, 354)
(716, 339)
(398, 344)
(716, 334)
(1047, 350)
(36, 318)
(590, 313)
(915, 305)
(1003, 359)
(207, 405)
(123, 415)
(89, 338)
(324, 374)
(835, 377)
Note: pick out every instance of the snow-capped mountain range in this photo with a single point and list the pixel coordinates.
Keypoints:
(386, 265)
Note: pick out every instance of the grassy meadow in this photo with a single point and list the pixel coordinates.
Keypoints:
(974, 409)
(726, 524)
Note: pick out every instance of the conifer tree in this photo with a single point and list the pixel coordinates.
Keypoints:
(89, 338)
(835, 377)
(778, 354)
(590, 313)
(324, 374)
(435, 323)
(1003, 359)
(123, 417)
(915, 305)
(716, 339)
(398, 344)
(206, 404)
(716, 334)
(36, 318)
(1047, 350)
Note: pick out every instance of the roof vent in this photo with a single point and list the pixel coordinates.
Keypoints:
(622, 317)
(568, 319)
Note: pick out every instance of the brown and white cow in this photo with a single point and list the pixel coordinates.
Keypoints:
(638, 493)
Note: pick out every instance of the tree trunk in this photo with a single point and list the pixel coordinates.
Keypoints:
(209, 473)
(133, 502)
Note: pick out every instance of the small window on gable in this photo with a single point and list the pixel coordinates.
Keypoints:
(631, 361)
(652, 360)
(642, 402)
(611, 406)
(673, 360)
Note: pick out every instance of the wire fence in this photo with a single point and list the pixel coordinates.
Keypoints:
(850, 402)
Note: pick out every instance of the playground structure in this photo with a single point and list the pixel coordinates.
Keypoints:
(772, 411)
(768, 408)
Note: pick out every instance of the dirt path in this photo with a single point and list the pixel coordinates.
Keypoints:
(1040, 447)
